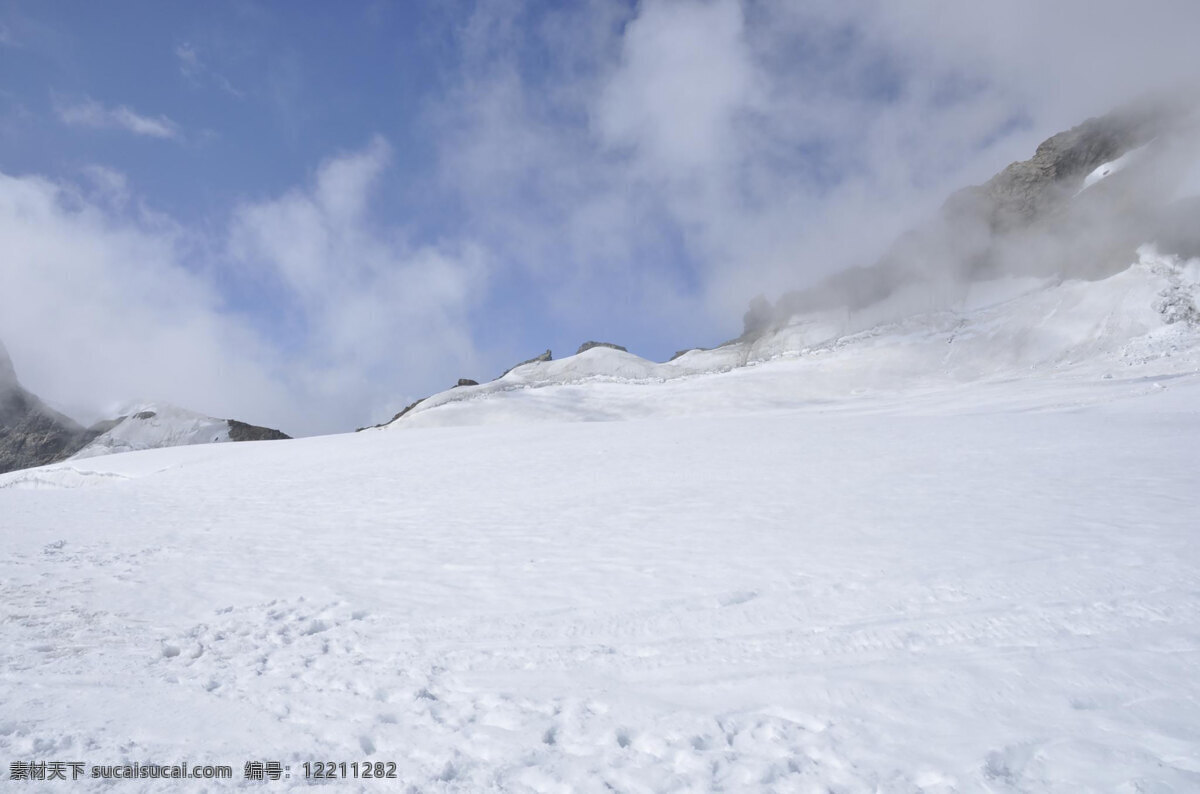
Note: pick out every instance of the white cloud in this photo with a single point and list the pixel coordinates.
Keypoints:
(90, 113)
(316, 317)
(762, 145)
(684, 78)
(97, 306)
(373, 306)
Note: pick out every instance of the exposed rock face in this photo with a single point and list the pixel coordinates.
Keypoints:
(1035, 217)
(240, 431)
(31, 434)
(1026, 191)
(590, 345)
(466, 382)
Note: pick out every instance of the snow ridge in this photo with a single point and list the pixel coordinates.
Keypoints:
(154, 425)
(1017, 328)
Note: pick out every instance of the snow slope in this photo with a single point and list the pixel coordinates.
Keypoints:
(1048, 334)
(1105, 170)
(154, 425)
(978, 573)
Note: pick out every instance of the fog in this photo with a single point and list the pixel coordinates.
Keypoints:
(647, 169)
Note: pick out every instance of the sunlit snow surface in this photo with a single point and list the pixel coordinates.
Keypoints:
(943, 555)
(153, 425)
(1105, 170)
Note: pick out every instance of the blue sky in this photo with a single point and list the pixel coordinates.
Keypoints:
(307, 214)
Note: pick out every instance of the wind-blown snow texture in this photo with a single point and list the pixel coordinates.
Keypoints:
(957, 553)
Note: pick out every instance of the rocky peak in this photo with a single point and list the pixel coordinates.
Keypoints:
(1035, 217)
(33, 434)
(1027, 190)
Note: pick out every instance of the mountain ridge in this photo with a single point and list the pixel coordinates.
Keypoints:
(33, 434)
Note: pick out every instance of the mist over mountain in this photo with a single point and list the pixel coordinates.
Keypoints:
(1093, 201)
(1079, 208)
(33, 434)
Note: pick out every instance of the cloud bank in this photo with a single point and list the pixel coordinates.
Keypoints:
(104, 302)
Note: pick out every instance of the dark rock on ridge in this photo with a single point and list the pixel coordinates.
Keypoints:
(240, 431)
(32, 434)
(399, 414)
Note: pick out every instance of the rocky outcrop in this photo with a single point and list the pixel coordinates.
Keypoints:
(32, 434)
(1035, 217)
(466, 382)
(1032, 189)
(589, 345)
(240, 431)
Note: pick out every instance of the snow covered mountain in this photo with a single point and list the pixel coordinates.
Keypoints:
(32, 434)
(1043, 332)
(1079, 208)
(154, 425)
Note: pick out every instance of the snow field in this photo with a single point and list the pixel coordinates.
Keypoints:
(791, 601)
(951, 553)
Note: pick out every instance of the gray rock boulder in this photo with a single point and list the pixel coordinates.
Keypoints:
(240, 431)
